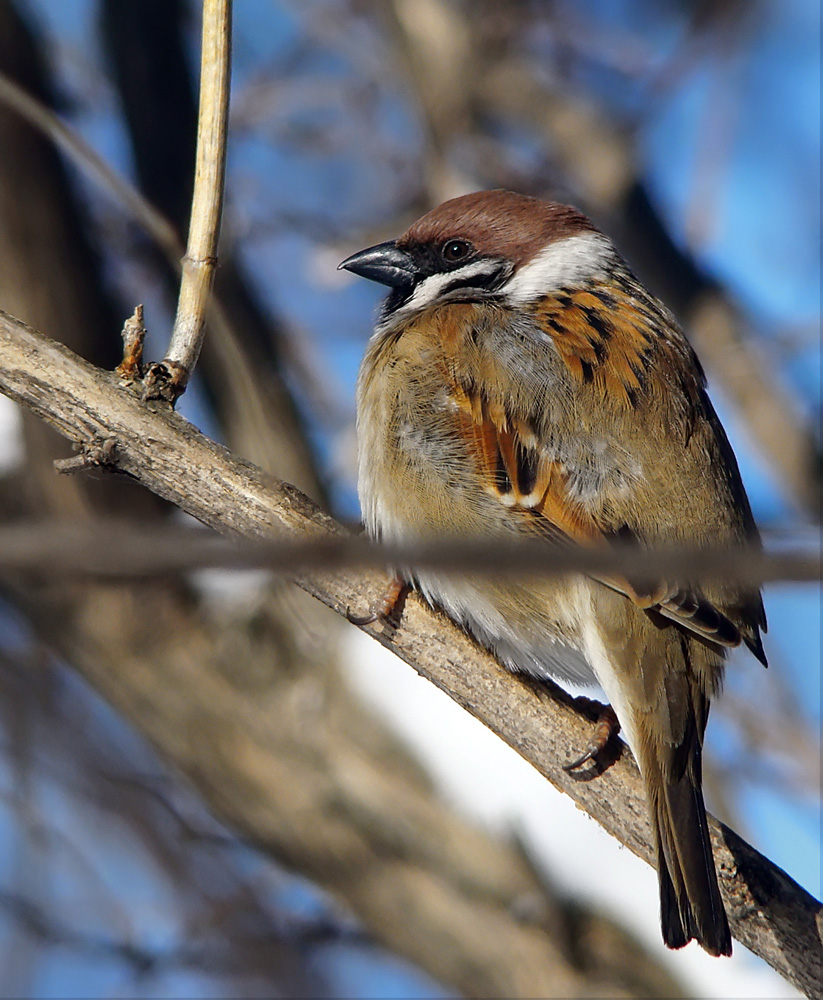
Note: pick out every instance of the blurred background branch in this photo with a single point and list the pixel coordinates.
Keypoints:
(122, 550)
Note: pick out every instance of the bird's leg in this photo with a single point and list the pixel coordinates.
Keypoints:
(607, 725)
(388, 608)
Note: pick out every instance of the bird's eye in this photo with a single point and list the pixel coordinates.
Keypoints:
(453, 250)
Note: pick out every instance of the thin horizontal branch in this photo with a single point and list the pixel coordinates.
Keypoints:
(110, 548)
(769, 912)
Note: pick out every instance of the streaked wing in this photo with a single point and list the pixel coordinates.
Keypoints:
(507, 455)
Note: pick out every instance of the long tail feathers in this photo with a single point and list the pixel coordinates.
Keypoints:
(690, 903)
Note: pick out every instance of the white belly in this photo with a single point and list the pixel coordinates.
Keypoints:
(539, 635)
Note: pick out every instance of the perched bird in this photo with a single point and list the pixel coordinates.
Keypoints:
(522, 383)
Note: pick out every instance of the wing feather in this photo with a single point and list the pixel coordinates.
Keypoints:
(514, 470)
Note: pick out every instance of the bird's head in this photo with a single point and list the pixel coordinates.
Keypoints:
(487, 246)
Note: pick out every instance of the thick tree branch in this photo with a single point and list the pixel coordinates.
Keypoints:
(769, 912)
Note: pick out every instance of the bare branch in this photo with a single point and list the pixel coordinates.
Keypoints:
(771, 415)
(769, 912)
(134, 337)
(200, 261)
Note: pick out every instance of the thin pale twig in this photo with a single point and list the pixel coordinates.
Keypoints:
(200, 262)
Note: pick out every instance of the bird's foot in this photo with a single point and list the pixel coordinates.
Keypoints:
(388, 609)
(607, 725)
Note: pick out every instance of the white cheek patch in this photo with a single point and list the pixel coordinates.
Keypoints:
(430, 289)
(566, 262)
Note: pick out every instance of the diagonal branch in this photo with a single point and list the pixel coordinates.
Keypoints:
(769, 912)
(79, 152)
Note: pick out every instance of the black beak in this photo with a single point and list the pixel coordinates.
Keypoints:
(385, 263)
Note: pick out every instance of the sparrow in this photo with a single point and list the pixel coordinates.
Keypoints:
(521, 383)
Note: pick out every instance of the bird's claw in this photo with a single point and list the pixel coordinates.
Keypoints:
(607, 725)
(388, 609)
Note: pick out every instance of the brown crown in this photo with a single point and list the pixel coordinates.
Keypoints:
(500, 223)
